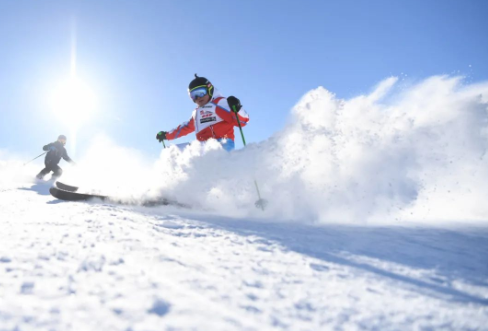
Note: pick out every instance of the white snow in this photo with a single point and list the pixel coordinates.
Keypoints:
(377, 221)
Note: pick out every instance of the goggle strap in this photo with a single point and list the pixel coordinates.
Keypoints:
(198, 87)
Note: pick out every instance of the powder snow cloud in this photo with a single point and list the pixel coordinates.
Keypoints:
(402, 152)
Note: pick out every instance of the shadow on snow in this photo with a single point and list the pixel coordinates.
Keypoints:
(452, 254)
(42, 188)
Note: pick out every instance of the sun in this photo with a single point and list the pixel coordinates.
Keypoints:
(73, 103)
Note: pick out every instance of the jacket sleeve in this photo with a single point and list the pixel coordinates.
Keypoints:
(66, 157)
(46, 148)
(182, 129)
(223, 110)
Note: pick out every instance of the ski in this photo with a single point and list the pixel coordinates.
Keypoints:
(76, 196)
(66, 187)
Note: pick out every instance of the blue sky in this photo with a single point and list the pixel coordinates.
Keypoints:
(139, 56)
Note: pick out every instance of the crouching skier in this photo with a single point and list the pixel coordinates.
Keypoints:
(213, 118)
(55, 151)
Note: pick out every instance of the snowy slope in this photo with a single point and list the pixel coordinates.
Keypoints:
(88, 266)
(377, 221)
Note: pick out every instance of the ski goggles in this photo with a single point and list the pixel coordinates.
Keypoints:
(198, 92)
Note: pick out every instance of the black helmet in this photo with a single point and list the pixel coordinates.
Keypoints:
(201, 81)
(62, 136)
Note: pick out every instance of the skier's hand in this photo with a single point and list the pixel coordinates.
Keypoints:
(234, 103)
(161, 136)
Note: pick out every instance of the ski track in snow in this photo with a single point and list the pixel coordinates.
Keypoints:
(89, 266)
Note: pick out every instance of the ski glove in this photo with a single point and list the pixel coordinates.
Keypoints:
(161, 136)
(234, 103)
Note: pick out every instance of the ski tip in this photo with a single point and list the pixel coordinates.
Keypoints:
(66, 187)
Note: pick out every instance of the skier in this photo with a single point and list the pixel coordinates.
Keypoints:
(55, 151)
(213, 118)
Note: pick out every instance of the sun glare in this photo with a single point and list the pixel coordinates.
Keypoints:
(74, 103)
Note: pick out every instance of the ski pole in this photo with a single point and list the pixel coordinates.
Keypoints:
(261, 202)
(35, 158)
(164, 145)
(239, 123)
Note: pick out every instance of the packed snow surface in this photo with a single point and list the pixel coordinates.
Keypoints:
(95, 266)
(376, 221)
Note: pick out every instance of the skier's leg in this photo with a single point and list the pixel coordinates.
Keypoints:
(227, 144)
(57, 172)
(43, 172)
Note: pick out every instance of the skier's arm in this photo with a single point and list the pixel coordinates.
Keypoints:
(181, 130)
(49, 147)
(66, 157)
(227, 114)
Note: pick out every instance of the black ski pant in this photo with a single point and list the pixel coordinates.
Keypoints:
(57, 171)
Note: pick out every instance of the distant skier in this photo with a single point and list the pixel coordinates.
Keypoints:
(212, 119)
(55, 151)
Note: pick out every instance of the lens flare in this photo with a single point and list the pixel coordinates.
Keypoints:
(73, 103)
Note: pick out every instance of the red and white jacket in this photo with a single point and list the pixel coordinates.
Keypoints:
(214, 120)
